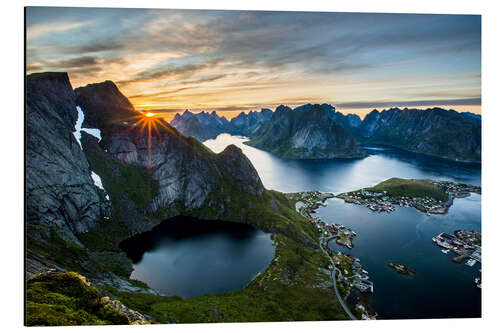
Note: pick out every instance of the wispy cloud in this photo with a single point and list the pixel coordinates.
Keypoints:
(44, 29)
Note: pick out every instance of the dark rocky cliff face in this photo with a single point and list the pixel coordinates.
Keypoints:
(241, 169)
(72, 224)
(186, 172)
(59, 189)
(438, 132)
(105, 107)
(306, 133)
(250, 124)
(202, 126)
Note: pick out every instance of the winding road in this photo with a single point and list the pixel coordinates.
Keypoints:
(346, 309)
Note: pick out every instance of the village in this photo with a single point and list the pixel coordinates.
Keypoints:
(466, 244)
(353, 280)
(382, 201)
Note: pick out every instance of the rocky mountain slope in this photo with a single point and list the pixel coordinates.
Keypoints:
(349, 122)
(306, 133)
(202, 126)
(85, 195)
(59, 189)
(249, 124)
(437, 132)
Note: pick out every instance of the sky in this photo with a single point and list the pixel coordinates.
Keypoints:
(233, 61)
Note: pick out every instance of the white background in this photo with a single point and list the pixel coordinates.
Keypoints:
(12, 159)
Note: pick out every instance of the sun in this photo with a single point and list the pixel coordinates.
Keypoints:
(150, 114)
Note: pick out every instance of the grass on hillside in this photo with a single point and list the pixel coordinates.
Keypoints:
(398, 187)
(63, 299)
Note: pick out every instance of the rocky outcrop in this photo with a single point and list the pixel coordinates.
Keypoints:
(241, 170)
(438, 132)
(349, 122)
(59, 189)
(202, 126)
(63, 299)
(306, 133)
(105, 107)
(249, 124)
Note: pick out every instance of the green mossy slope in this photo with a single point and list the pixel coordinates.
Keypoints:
(63, 299)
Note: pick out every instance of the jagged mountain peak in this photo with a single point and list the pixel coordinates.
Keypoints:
(104, 105)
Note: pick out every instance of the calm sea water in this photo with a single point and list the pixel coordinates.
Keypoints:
(336, 176)
(188, 257)
(441, 288)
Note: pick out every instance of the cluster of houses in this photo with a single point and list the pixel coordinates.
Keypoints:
(469, 237)
(309, 201)
(456, 189)
(353, 274)
(464, 247)
(381, 202)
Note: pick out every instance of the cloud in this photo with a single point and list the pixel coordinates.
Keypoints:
(80, 62)
(161, 93)
(379, 104)
(206, 79)
(44, 29)
(184, 71)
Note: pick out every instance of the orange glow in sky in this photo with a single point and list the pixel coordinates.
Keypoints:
(238, 61)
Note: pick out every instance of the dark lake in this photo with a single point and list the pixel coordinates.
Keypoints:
(189, 257)
(441, 288)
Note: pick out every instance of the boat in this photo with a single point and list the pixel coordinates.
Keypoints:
(445, 251)
(478, 282)
(470, 262)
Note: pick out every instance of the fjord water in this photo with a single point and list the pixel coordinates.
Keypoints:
(441, 288)
(188, 257)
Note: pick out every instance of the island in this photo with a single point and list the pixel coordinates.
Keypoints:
(401, 268)
(427, 196)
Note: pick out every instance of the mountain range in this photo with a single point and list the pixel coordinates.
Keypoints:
(78, 184)
(320, 132)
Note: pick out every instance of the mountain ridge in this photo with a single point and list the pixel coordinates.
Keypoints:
(461, 145)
